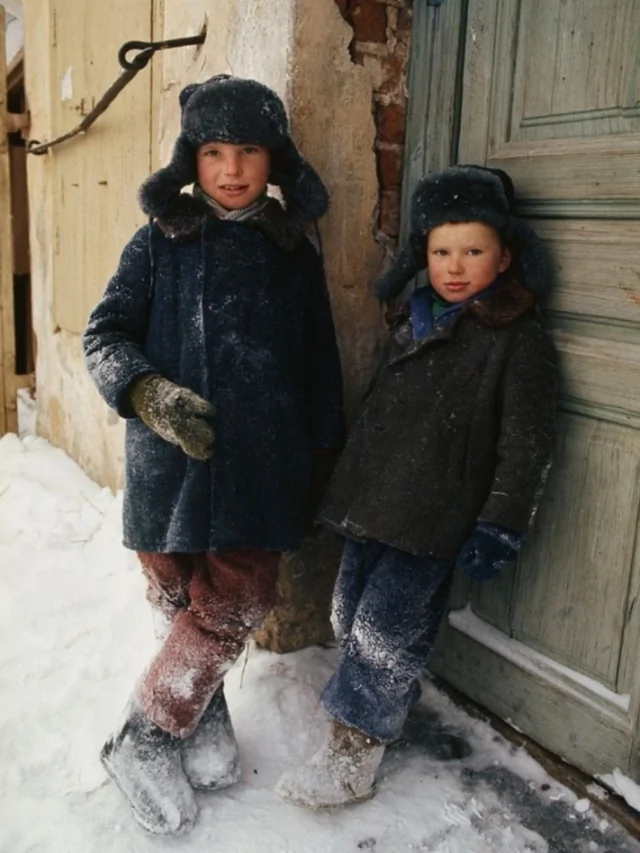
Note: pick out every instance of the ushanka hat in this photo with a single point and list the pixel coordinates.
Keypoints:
(235, 110)
(467, 194)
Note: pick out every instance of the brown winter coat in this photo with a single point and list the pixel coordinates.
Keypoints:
(458, 427)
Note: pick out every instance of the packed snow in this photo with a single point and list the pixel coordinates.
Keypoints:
(75, 631)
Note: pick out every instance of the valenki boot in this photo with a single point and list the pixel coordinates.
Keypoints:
(145, 763)
(210, 756)
(341, 772)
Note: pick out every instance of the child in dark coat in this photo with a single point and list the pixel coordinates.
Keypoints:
(215, 340)
(444, 467)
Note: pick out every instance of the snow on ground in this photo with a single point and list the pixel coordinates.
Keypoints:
(75, 632)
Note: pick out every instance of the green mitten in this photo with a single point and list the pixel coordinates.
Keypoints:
(177, 414)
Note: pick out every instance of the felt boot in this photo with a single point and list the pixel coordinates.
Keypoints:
(210, 756)
(144, 762)
(341, 772)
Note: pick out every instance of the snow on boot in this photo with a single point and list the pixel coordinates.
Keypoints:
(210, 756)
(144, 762)
(342, 771)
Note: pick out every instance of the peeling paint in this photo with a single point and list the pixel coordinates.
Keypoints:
(66, 85)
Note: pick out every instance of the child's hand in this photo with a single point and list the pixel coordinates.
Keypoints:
(177, 414)
(487, 550)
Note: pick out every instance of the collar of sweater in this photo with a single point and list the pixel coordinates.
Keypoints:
(187, 214)
(242, 214)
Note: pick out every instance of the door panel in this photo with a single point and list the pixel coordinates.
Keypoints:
(97, 173)
(549, 91)
(573, 581)
(597, 267)
(575, 89)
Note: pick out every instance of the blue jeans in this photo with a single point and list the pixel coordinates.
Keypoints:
(387, 608)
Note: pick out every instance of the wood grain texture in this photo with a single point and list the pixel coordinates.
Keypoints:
(600, 371)
(596, 267)
(96, 176)
(583, 730)
(573, 579)
(433, 69)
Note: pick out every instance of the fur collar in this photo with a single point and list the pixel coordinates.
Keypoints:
(503, 306)
(187, 216)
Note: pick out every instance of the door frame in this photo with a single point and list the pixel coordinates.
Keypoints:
(10, 380)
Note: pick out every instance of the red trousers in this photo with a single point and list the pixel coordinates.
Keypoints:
(212, 602)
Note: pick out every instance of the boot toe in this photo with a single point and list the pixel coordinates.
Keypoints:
(316, 788)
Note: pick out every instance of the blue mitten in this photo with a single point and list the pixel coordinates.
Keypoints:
(487, 550)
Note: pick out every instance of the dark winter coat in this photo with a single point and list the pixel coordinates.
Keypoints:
(458, 427)
(238, 313)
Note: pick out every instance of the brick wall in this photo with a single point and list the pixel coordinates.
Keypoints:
(382, 30)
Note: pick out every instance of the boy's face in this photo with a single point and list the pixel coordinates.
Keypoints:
(233, 175)
(464, 258)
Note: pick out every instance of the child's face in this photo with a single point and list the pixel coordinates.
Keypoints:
(464, 258)
(233, 175)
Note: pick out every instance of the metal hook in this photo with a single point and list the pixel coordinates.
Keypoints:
(148, 48)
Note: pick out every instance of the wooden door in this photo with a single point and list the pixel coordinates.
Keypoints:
(550, 91)
(96, 176)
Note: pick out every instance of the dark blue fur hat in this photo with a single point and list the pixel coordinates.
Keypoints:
(236, 110)
(467, 194)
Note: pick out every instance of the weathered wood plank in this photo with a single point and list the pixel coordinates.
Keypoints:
(578, 93)
(477, 81)
(433, 78)
(600, 371)
(573, 169)
(589, 731)
(596, 267)
(95, 178)
(573, 579)
(8, 404)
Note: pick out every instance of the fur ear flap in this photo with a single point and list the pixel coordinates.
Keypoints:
(410, 261)
(531, 256)
(160, 189)
(303, 192)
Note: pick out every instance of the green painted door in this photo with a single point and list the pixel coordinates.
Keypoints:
(550, 91)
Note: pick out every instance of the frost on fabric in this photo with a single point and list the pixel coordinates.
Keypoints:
(180, 682)
(375, 647)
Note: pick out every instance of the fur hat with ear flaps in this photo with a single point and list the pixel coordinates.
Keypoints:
(467, 194)
(234, 110)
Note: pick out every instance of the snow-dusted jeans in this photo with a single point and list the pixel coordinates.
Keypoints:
(387, 608)
(212, 603)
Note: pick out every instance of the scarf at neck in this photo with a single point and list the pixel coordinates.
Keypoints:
(240, 215)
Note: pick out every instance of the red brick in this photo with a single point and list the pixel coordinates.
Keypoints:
(390, 121)
(393, 74)
(369, 21)
(389, 216)
(390, 168)
(405, 20)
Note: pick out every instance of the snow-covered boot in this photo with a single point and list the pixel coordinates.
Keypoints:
(144, 762)
(210, 755)
(342, 771)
